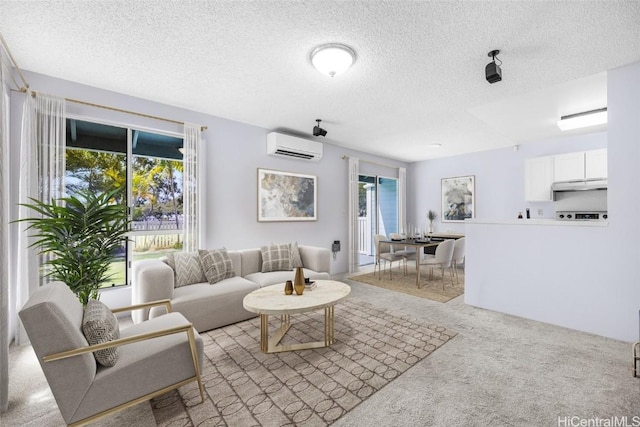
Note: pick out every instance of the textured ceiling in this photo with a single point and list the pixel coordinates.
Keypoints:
(418, 78)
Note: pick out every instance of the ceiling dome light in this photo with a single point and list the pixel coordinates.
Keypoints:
(333, 59)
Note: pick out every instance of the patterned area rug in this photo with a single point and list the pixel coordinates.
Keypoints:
(429, 289)
(245, 387)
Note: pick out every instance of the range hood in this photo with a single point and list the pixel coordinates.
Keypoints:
(579, 185)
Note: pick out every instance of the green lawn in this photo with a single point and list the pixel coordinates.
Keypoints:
(118, 268)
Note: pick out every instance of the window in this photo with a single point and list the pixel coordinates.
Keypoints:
(147, 168)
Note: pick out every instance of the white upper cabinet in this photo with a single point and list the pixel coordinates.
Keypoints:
(596, 164)
(581, 165)
(541, 172)
(538, 179)
(568, 167)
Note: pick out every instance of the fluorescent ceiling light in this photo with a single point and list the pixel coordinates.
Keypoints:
(332, 59)
(582, 120)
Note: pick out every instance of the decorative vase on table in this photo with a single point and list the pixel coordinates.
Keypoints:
(298, 283)
(288, 287)
(431, 216)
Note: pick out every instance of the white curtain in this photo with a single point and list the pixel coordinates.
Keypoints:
(354, 173)
(4, 240)
(191, 187)
(41, 177)
(402, 199)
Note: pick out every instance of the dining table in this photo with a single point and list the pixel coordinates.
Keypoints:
(418, 244)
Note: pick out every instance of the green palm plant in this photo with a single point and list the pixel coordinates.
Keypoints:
(80, 236)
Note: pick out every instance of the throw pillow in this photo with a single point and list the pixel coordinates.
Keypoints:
(170, 261)
(276, 257)
(187, 268)
(296, 260)
(216, 264)
(100, 325)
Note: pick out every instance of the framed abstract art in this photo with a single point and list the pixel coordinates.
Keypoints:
(458, 198)
(286, 196)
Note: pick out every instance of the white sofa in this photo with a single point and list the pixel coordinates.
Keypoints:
(212, 306)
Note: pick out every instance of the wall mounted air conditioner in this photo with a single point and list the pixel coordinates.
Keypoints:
(279, 144)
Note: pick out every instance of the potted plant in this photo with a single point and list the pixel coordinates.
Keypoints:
(431, 216)
(81, 236)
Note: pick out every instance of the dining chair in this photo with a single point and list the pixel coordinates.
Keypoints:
(407, 253)
(383, 252)
(442, 259)
(458, 257)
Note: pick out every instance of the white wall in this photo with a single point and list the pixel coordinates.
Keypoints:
(232, 153)
(236, 151)
(499, 179)
(623, 97)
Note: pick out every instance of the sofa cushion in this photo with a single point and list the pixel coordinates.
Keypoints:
(276, 257)
(186, 267)
(296, 260)
(216, 264)
(209, 307)
(100, 325)
(251, 261)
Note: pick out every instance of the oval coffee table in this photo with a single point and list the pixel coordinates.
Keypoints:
(271, 300)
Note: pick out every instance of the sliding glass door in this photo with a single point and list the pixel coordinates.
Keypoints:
(146, 168)
(387, 206)
(378, 213)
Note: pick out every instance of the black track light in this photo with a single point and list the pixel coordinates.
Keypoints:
(317, 130)
(492, 71)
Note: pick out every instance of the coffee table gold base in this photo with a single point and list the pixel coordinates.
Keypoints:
(272, 344)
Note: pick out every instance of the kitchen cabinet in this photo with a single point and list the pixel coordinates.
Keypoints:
(580, 165)
(538, 178)
(595, 164)
(568, 167)
(541, 172)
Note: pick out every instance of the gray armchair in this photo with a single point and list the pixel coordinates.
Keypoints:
(155, 356)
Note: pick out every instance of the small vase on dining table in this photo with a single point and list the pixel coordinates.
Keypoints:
(298, 283)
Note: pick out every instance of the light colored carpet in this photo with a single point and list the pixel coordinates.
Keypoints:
(406, 283)
(500, 370)
(312, 387)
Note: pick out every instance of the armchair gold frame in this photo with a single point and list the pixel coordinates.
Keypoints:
(188, 328)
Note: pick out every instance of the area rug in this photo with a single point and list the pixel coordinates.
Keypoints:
(429, 289)
(245, 387)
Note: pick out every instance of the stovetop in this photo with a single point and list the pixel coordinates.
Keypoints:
(582, 215)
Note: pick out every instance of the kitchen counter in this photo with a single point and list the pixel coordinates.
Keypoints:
(551, 222)
(546, 270)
